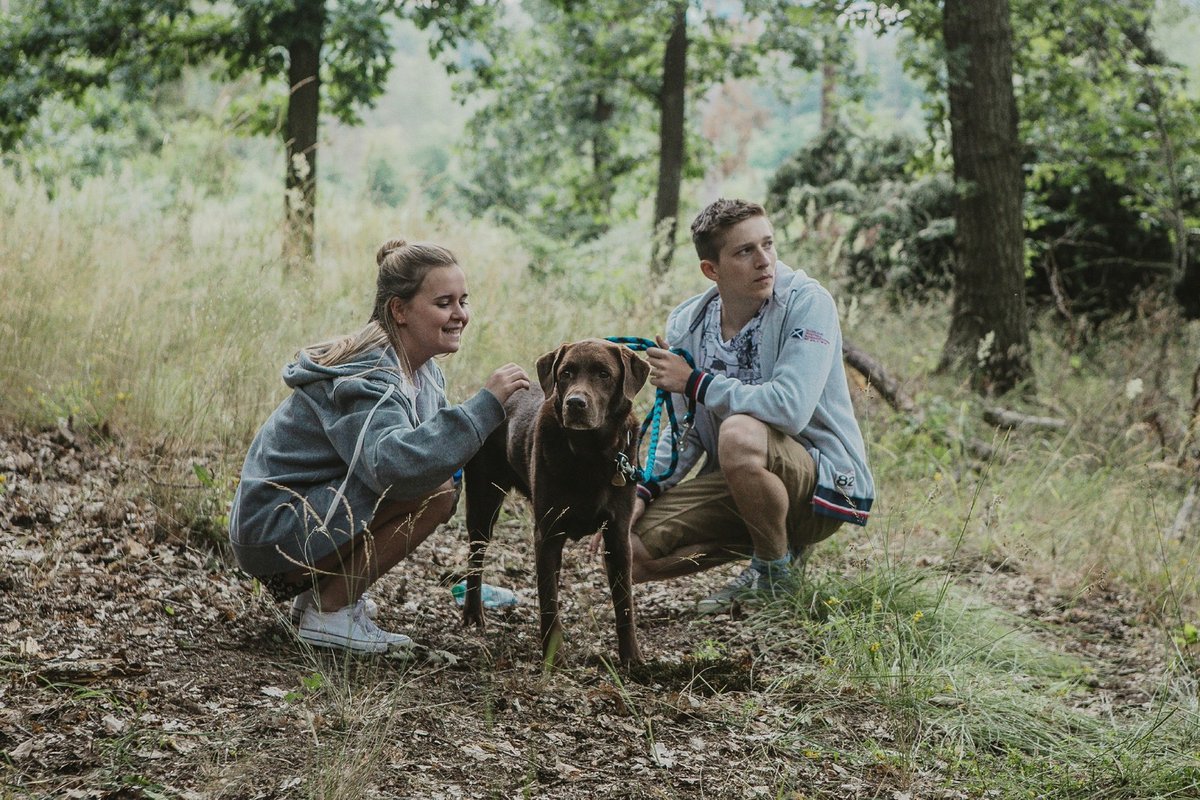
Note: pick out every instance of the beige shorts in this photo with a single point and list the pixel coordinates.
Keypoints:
(702, 511)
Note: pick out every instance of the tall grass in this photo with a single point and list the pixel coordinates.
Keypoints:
(917, 676)
(170, 320)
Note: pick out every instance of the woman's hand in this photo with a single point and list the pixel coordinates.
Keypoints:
(506, 380)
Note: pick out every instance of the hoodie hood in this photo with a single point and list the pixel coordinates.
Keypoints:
(382, 363)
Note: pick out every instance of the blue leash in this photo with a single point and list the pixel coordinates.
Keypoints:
(653, 421)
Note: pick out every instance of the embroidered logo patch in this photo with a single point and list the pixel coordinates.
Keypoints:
(808, 335)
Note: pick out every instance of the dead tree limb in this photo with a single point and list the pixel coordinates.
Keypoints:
(891, 390)
(1007, 418)
(1187, 521)
(888, 387)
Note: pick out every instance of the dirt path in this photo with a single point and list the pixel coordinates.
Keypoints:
(137, 665)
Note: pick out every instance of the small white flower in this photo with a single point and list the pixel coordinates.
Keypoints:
(984, 348)
(1133, 388)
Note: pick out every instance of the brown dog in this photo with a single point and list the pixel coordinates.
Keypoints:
(568, 448)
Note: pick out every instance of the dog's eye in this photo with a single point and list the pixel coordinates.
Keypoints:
(566, 372)
(603, 375)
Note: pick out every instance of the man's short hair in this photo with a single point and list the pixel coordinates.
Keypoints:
(709, 226)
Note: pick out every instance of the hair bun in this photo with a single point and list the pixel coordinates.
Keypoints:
(386, 248)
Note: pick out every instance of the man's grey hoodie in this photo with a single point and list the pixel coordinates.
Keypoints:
(804, 395)
(346, 437)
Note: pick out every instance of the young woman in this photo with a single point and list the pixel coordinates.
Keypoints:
(358, 465)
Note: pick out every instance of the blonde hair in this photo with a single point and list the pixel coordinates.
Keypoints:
(402, 269)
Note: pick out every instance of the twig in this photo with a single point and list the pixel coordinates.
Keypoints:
(890, 390)
(1007, 418)
(887, 386)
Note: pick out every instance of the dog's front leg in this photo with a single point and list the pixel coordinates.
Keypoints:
(618, 559)
(484, 498)
(549, 563)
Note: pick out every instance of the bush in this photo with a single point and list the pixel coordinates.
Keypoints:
(900, 229)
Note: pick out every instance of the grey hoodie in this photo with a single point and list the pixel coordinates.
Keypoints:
(804, 394)
(347, 436)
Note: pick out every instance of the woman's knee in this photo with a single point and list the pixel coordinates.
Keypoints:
(437, 506)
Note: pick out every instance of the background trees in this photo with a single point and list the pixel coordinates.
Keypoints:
(65, 47)
(587, 115)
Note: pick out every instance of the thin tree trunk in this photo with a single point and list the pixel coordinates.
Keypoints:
(1187, 290)
(303, 115)
(671, 140)
(828, 84)
(989, 327)
(602, 155)
(1186, 279)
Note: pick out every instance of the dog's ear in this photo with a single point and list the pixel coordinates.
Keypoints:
(636, 372)
(547, 368)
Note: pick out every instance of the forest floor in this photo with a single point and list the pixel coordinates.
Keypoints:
(139, 664)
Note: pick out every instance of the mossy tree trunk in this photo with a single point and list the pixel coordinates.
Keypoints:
(671, 141)
(303, 118)
(989, 328)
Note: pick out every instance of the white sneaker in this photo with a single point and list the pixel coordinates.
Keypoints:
(348, 628)
(306, 599)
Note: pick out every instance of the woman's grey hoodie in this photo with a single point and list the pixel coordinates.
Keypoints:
(347, 437)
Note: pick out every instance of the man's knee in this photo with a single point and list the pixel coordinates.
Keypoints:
(742, 444)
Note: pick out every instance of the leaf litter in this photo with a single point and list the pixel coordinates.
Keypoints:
(139, 662)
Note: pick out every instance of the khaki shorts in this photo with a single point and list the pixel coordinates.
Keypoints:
(702, 511)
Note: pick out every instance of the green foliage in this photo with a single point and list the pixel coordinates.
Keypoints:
(1089, 245)
(383, 181)
(567, 141)
(570, 118)
(899, 229)
(1112, 152)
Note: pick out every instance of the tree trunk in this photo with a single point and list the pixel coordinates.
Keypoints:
(1187, 289)
(602, 157)
(303, 114)
(829, 75)
(671, 138)
(989, 327)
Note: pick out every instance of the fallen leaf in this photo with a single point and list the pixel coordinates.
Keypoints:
(21, 751)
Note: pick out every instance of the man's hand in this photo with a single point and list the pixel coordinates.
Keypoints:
(667, 370)
(596, 545)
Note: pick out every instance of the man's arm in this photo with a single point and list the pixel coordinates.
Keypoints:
(812, 340)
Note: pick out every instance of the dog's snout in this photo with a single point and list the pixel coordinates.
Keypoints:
(576, 403)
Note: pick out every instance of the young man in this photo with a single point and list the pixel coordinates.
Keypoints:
(785, 462)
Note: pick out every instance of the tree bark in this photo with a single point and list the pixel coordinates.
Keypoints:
(1187, 289)
(602, 154)
(671, 142)
(829, 82)
(989, 327)
(303, 115)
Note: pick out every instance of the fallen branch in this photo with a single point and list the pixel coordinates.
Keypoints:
(887, 386)
(1006, 418)
(891, 391)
